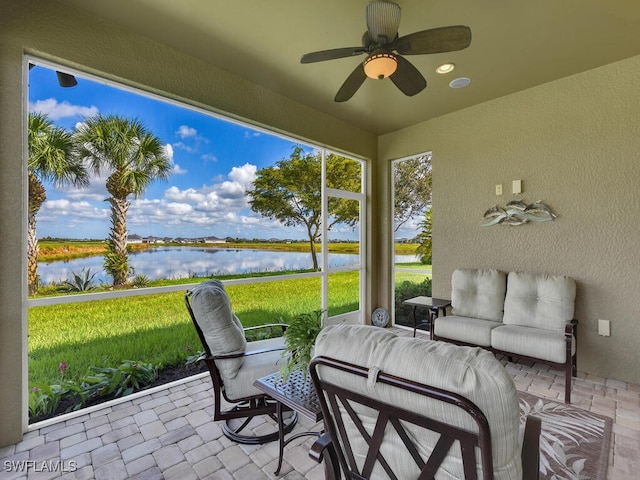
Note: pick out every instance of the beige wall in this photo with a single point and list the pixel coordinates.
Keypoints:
(575, 144)
(55, 32)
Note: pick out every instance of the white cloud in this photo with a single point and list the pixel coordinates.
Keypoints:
(185, 131)
(56, 111)
(244, 175)
(191, 140)
(209, 157)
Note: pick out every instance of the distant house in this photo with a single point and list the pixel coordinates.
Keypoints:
(134, 239)
(213, 239)
(152, 240)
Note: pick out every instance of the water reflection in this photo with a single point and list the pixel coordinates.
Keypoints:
(186, 262)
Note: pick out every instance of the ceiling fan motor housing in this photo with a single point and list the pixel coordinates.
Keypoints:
(383, 21)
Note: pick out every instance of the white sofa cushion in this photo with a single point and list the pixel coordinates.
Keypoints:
(470, 371)
(539, 301)
(464, 329)
(533, 342)
(221, 328)
(478, 293)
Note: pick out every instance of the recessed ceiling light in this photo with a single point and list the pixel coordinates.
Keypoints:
(446, 68)
(460, 82)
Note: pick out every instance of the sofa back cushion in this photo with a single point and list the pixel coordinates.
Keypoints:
(469, 371)
(478, 293)
(221, 328)
(539, 301)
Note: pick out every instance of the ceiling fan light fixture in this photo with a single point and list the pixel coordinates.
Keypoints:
(380, 65)
(445, 68)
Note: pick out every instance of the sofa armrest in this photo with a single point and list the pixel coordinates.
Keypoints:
(434, 313)
(531, 449)
(571, 329)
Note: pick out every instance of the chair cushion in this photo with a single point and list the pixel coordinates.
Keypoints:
(465, 329)
(221, 328)
(533, 342)
(478, 293)
(470, 371)
(539, 301)
(254, 367)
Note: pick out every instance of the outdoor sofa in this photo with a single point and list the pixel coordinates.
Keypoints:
(522, 315)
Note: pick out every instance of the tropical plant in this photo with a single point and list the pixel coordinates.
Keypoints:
(120, 381)
(290, 192)
(140, 281)
(133, 157)
(51, 159)
(424, 239)
(82, 282)
(300, 336)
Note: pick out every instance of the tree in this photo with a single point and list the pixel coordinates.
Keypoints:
(412, 188)
(290, 192)
(424, 239)
(51, 159)
(133, 157)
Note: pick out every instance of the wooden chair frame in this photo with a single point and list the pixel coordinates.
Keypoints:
(335, 442)
(248, 407)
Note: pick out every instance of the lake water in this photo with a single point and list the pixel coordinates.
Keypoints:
(187, 262)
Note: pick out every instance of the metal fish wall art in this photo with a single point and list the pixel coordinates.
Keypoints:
(517, 212)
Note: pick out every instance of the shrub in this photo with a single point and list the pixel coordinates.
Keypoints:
(406, 290)
(120, 381)
(82, 282)
(45, 400)
(140, 281)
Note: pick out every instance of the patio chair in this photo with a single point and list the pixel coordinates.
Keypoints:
(234, 363)
(409, 408)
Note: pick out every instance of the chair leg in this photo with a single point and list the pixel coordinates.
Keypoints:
(233, 433)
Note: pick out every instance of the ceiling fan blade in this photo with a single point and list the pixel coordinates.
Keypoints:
(383, 20)
(332, 54)
(435, 40)
(351, 84)
(407, 78)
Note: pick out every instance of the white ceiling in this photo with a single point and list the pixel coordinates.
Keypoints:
(516, 44)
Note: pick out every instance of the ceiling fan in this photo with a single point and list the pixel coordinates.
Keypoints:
(381, 40)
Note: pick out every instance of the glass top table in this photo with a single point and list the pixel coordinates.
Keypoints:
(433, 304)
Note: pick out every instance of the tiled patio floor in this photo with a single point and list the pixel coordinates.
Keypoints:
(169, 434)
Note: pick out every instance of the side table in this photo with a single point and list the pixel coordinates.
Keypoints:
(298, 394)
(433, 304)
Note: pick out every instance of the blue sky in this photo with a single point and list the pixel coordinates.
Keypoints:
(214, 163)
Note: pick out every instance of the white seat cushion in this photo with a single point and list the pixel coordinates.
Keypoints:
(254, 367)
(478, 293)
(539, 301)
(470, 371)
(533, 342)
(464, 329)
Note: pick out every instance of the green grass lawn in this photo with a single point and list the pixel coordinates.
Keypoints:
(156, 328)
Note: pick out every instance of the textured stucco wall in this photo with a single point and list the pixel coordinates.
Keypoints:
(59, 33)
(575, 144)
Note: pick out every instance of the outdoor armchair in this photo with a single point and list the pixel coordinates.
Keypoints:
(234, 363)
(409, 408)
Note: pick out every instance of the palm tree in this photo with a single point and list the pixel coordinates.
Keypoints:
(51, 159)
(133, 157)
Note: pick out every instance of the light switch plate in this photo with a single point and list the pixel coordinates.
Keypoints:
(604, 328)
(516, 186)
